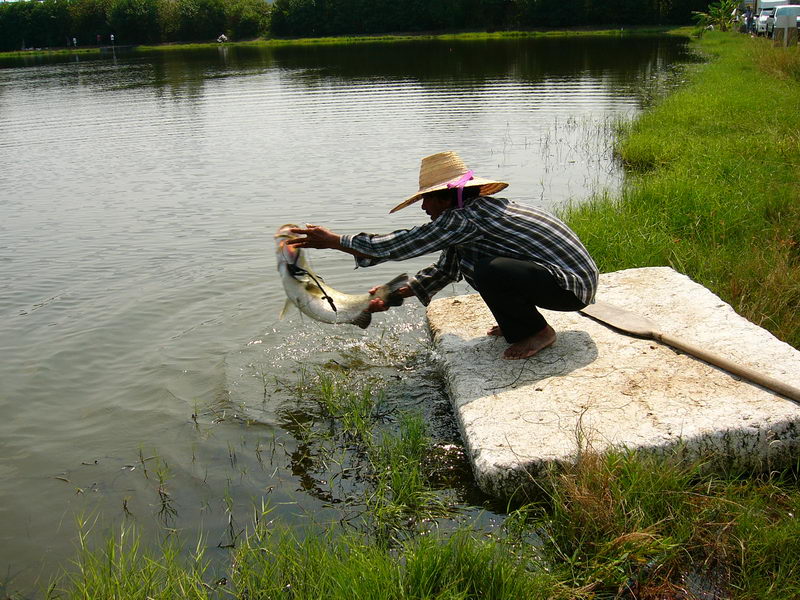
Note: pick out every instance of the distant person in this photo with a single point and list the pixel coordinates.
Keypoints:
(748, 20)
(519, 258)
(112, 39)
(74, 42)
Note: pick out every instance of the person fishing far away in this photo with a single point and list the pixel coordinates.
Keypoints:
(517, 257)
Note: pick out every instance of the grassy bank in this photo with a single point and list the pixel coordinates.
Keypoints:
(714, 184)
(617, 526)
(470, 35)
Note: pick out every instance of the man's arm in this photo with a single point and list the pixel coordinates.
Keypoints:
(321, 237)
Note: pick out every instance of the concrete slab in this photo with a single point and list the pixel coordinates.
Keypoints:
(598, 388)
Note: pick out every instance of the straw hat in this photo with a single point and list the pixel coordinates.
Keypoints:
(437, 170)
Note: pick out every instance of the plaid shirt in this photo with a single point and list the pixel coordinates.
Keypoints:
(486, 227)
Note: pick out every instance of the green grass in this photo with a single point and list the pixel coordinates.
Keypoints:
(400, 495)
(613, 524)
(351, 566)
(713, 185)
(122, 569)
(650, 524)
(275, 563)
(395, 38)
(346, 407)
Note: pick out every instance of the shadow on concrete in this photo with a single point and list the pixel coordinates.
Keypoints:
(477, 369)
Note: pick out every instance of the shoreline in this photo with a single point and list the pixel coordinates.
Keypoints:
(365, 39)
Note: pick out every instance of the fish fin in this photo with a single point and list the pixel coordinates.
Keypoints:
(394, 285)
(363, 320)
(285, 308)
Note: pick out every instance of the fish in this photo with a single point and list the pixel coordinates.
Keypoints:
(308, 291)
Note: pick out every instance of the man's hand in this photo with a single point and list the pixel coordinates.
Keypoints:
(316, 237)
(378, 305)
(321, 237)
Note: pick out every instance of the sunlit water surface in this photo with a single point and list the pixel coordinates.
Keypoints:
(139, 331)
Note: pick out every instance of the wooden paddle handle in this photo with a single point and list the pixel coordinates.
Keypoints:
(720, 361)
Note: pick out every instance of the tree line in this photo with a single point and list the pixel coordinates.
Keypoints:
(341, 17)
(49, 23)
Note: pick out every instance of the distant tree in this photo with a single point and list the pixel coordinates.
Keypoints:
(14, 25)
(200, 19)
(247, 18)
(90, 18)
(719, 15)
(449, 14)
(49, 24)
(294, 18)
(54, 22)
(135, 21)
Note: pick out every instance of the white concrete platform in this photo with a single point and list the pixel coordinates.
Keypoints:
(598, 388)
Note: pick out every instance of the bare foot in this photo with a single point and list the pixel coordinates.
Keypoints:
(531, 345)
(495, 331)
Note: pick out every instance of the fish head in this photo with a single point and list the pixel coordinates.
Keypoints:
(284, 233)
(287, 254)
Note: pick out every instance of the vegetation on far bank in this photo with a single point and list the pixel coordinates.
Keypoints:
(346, 40)
(376, 39)
(338, 17)
(713, 184)
(56, 23)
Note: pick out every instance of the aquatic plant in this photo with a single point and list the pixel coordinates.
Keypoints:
(400, 495)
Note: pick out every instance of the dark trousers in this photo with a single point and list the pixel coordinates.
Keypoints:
(512, 289)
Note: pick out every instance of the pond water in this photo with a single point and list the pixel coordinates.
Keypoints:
(141, 346)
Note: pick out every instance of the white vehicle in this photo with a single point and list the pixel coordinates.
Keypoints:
(765, 21)
(765, 9)
(786, 16)
(771, 4)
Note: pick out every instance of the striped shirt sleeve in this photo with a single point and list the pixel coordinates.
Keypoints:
(432, 279)
(410, 243)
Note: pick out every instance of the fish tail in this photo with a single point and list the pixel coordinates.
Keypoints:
(393, 298)
(363, 320)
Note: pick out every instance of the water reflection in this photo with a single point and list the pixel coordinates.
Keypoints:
(623, 60)
(533, 60)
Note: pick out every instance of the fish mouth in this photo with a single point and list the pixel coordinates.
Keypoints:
(289, 254)
(284, 231)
